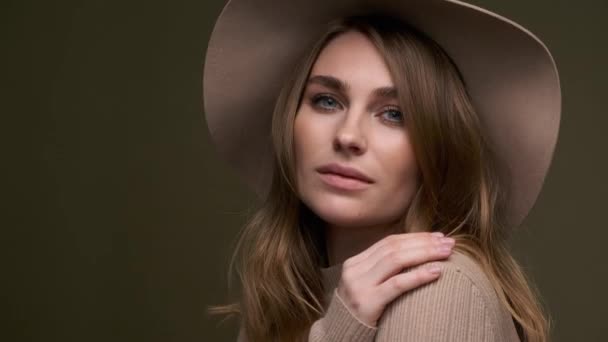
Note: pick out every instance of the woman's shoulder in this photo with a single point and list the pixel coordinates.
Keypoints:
(464, 270)
(461, 276)
(459, 306)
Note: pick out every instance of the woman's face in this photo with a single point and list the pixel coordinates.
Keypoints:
(349, 116)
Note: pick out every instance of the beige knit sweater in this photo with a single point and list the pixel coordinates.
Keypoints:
(459, 306)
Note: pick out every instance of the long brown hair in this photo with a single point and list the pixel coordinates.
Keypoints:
(281, 248)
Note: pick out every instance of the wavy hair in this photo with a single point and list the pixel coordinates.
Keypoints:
(281, 248)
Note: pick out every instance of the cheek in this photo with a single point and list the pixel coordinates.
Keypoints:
(400, 170)
(305, 136)
(309, 134)
(301, 133)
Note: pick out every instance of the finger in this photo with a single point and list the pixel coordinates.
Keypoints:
(397, 247)
(407, 281)
(381, 244)
(395, 261)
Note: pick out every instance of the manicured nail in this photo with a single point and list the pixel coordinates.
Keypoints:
(445, 249)
(434, 269)
(448, 241)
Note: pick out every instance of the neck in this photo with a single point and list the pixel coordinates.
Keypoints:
(344, 242)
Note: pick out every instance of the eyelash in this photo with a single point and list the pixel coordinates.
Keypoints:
(315, 100)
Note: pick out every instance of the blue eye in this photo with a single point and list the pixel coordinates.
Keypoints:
(325, 102)
(396, 117)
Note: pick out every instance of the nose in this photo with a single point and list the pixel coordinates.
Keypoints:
(350, 137)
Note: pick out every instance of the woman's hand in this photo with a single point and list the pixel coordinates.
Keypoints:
(373, 278)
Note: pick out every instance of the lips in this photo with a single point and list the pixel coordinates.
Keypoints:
(345, 171)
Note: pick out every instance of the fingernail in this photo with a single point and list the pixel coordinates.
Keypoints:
(434, 269)
(445, 249)
(437, 234)
(448, 241)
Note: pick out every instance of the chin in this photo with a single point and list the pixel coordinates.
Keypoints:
(342, 211)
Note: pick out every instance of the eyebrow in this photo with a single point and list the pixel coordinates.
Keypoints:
(340, 86)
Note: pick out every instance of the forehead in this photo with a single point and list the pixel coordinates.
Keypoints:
(352, 57)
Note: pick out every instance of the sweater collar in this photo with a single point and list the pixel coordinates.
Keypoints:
(331, 276)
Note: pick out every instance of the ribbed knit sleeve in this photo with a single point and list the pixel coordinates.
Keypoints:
(340, 325)
(336, 325)
(454, 308)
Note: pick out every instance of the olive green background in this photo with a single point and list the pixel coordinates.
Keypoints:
(119, 217)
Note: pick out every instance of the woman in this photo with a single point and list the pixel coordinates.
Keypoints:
(378, 154)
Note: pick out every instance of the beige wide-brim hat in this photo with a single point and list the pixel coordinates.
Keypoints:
(510, 75)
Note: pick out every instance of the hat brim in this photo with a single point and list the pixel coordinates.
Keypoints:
(510, 75)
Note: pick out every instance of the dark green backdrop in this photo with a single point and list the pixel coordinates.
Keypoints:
(119, 216)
